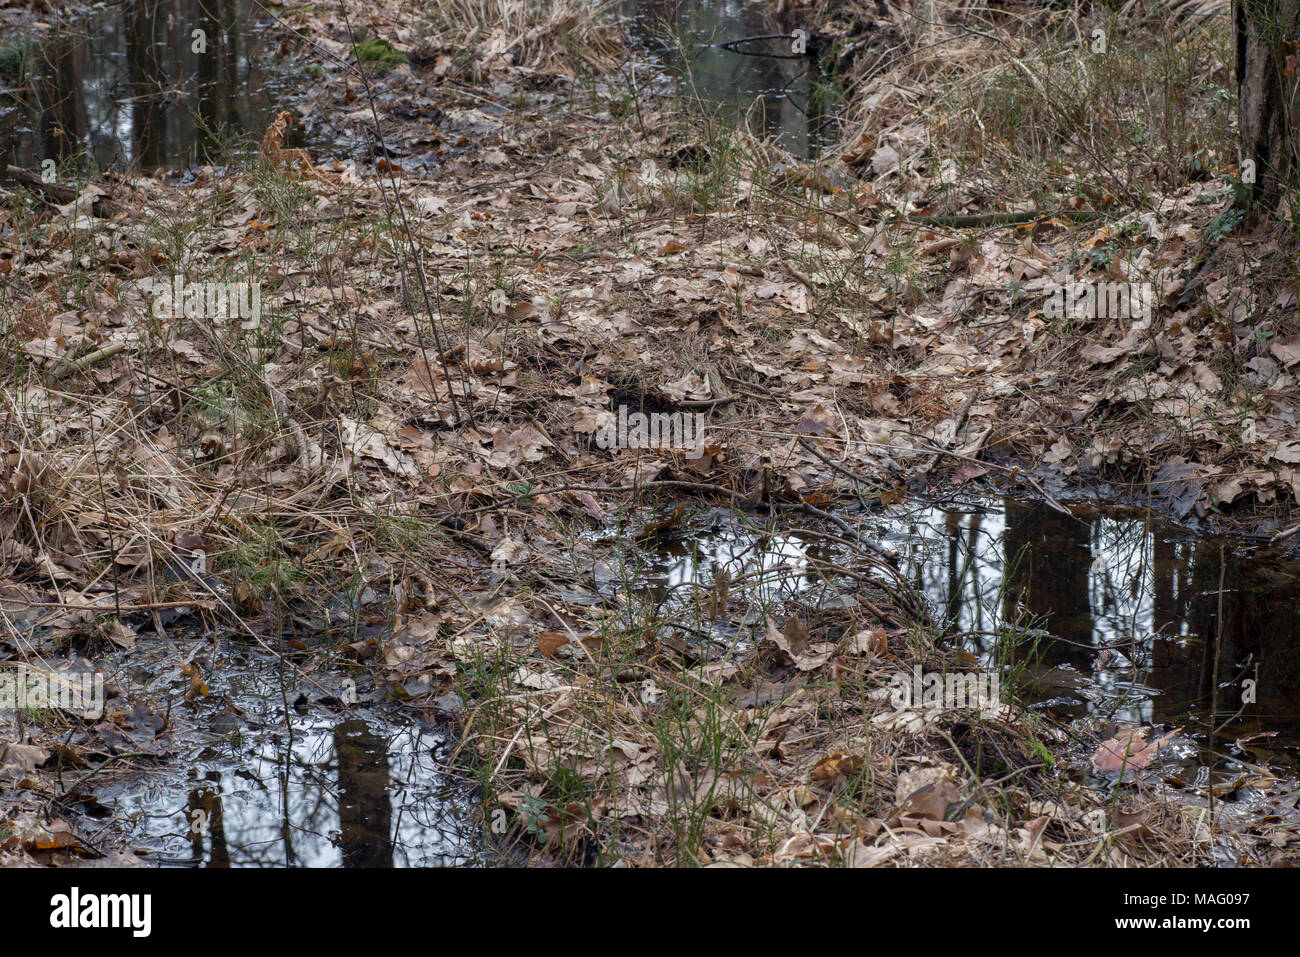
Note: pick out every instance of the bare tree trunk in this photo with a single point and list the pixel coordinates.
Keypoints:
(1267, 31)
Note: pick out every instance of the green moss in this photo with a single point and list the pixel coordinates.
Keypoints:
(12, 56)
(379, 52)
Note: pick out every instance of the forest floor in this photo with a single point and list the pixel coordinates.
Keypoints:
(412, 426)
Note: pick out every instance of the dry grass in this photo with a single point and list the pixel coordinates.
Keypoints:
(634, 733)
(358, 436)
(562, 37)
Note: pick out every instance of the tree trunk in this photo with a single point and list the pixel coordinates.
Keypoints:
(1267, 31)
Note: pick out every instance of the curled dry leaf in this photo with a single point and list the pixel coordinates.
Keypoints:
(874, 643)
(31, 834)
(22, 473)
(861, 854)
(550, 642)
(18, 759)
(836, 765)
(796, 636)
(536, 680)
(792, 645)
(926, 793)
(363, 441)
(120, 634)
(510, 551)
(1029, 839)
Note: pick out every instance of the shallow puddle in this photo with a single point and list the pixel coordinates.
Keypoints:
(246, 782)
(781, 95)
(1101, 614)
(1129, 610)
(167, 84)
(134, 84)
(780, 564)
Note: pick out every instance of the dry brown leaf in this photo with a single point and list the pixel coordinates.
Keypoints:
(874, 643)
(550, 642)
(926, 793)
(835, 765)
(20, 758)
(1128, 749)
(120, 634)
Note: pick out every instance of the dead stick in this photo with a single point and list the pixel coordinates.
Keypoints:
(66, 368)
(102, 206)
(1284, 535)
(1000, 219)
(1017, 472)
(959, 422)
(151, 606)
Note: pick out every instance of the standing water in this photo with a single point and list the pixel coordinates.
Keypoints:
(147, 83)
(735, 57)
(163, 84)
(1100, 615)
(269, 770)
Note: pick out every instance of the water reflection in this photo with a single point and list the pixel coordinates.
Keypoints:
(204, 812)
(1128, 612)
(365, 813)
(782, 98)
(774, 567)
(145, 84)
(151, 84)
(329, 788)
(1097, 613)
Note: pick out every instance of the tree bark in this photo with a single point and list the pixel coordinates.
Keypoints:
(1267, 31)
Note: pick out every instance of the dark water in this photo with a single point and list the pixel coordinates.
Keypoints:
(127, 86)
(1132, 611)
(785, 98)
(247, 783)
(132, 86)
(1101, 615)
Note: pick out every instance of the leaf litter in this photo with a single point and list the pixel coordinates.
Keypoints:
(430, 435)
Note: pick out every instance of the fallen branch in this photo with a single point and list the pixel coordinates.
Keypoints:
(66, 368)
(731, 45)
(888, 554)
(1003, 219)
(1016, 472)
(1283, 535)
(52, 192)
(843, 470)
(86, 777)
(958, 424)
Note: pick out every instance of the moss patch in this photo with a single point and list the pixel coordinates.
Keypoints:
(379, 52)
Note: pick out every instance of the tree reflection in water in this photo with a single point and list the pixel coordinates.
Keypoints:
(336, 790)
(128, 89)
(781, 97)
(1130, 610)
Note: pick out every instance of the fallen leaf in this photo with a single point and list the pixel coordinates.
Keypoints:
(874, 643)
(120, 634)
(1128, 749)
(20, 758)
(549, 642)
(836, 765)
